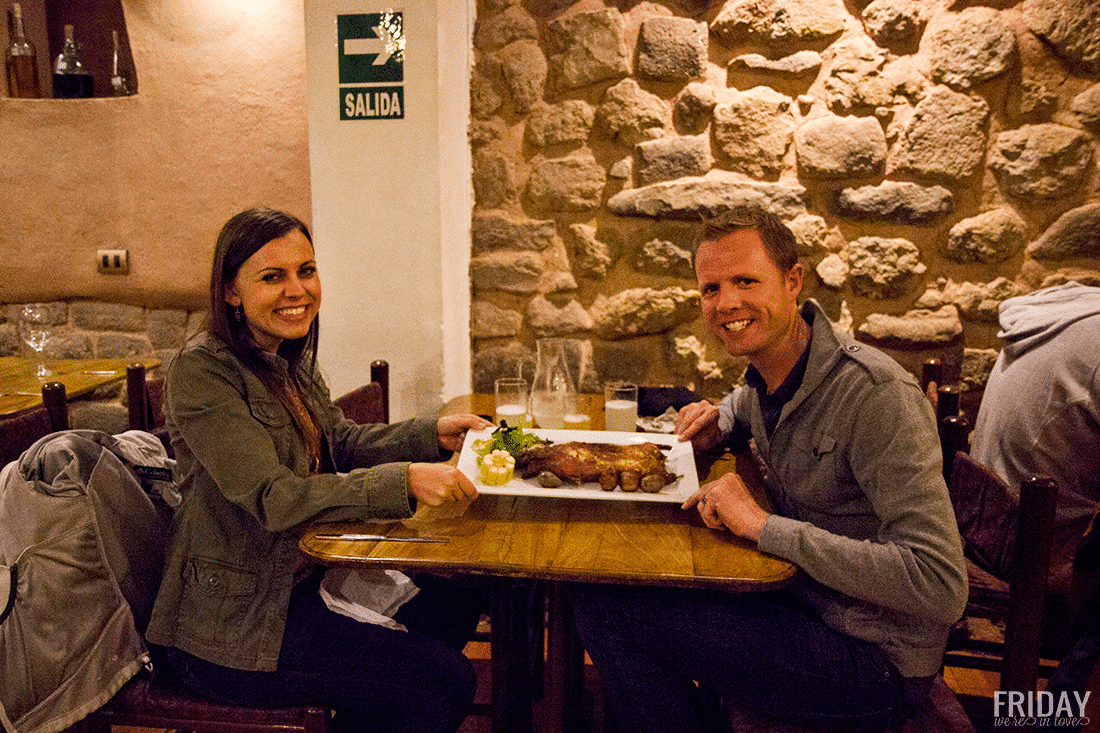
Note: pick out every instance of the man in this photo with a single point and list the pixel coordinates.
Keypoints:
(853, 470)
(1040, 414)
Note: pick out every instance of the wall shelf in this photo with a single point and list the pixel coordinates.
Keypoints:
(92, 20)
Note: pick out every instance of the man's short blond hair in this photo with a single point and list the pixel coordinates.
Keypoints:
(778, 239)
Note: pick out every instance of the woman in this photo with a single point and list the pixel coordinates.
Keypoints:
(262, 450)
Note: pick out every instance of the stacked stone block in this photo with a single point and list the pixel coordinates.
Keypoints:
(932, 161)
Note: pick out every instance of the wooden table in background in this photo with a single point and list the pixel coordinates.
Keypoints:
(21, 390)
(559, 541)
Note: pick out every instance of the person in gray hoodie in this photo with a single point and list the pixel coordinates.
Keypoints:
(1040, 413)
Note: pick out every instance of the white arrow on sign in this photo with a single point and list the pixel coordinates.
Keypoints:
(383, 46)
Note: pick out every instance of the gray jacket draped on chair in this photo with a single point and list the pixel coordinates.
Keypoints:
(81, 554)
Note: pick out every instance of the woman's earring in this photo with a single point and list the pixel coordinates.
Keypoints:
(238, 313)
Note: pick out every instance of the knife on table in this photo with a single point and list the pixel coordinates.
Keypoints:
(380, 538)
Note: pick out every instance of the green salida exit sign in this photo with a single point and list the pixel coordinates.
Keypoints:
(371, 52)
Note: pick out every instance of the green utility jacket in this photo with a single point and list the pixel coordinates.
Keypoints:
(233, 546)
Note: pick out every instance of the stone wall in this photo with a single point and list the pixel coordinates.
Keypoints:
(932, 161)
(84, 329)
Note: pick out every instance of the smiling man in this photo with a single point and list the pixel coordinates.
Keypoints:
(853, 471)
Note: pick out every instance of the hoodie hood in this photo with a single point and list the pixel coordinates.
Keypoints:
(1030, 320)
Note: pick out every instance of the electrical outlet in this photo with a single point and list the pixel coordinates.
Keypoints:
(113, 261)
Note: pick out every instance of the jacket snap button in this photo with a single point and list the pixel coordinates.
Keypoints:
(214, 582)
(853, 347)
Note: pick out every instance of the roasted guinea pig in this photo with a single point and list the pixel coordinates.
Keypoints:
(633, 467)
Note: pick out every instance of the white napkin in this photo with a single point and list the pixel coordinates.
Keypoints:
(368, 595)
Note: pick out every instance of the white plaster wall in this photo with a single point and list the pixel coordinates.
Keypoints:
(391, 211)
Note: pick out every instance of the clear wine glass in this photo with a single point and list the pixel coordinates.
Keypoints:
(35, 332)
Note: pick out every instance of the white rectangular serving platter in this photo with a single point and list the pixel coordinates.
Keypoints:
(680, 460)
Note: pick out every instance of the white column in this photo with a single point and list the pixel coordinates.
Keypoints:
(391, 211)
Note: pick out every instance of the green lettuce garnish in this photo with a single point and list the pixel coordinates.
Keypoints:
(512, 440)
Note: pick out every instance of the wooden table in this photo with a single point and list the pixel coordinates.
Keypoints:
(21, 389)
(558, 541)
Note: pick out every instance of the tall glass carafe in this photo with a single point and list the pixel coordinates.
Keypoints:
(552, 392)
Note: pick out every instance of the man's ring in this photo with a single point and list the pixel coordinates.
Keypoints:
(703, 500)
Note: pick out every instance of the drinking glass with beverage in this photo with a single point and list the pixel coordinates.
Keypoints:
(511, 402)
(621, 406)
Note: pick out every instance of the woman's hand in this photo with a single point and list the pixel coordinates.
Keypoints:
(451, 429)
(698, 422)
(439, 483)
(727, 504)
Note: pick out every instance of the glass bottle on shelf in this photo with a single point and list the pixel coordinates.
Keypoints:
(120, 85)
(71, 79)
(22, 60)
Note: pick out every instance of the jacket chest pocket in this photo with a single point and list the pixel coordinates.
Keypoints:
(276, 420)
(269, 412)
(815, 476)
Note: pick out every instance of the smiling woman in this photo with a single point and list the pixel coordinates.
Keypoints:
(262, 451)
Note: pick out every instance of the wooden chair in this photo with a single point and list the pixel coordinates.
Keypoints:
(931, 373)
(1079, 670)
(371, 402)
(988, 513)
(19, 432)
(145, 404)
(954, 429)
(144, 399)
(161, 701)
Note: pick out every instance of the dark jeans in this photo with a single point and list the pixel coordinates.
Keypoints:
(759, 651)
(1072, 674)
(374, 678)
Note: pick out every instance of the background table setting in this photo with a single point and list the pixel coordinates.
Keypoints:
(21, 383)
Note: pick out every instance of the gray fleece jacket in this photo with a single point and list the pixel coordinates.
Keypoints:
(1040, 413)
(854, 471)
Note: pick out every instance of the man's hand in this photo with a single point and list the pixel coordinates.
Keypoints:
(727, 504)
(451, 429)
(698, 422)
(439, 483)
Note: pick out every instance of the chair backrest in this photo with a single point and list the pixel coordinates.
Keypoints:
(145, 404)
(954, 429)
(19, 432)
(144, 398)
(370, 403)
(57, 405)
(947, 401)
(931, 373)
(954, 439)
(1027, 582)
(1010, 535)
